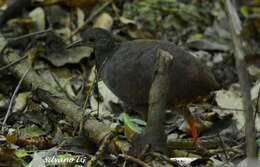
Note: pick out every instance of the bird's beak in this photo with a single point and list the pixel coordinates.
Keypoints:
(81, 43)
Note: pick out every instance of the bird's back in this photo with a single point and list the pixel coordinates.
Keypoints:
(129, 73)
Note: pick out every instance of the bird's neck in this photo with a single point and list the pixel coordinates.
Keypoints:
(102, 56)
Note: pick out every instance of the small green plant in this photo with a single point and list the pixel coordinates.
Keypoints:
(134, 124)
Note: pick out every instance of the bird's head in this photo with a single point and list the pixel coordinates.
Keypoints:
(100, 39)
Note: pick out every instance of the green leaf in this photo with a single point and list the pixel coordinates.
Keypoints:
(196, 36)
(131, 123)
(33, 131)
(21, 153)
(121, 117)
(63, 157)
(138, 121)
(258, 142)
(244, 10)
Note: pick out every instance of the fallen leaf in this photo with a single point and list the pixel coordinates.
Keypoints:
(38, 16)
(73, 55)
(104, 21)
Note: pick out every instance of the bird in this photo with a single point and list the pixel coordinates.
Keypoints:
(128, 68)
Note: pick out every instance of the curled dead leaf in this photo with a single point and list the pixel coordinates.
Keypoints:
(104, 20)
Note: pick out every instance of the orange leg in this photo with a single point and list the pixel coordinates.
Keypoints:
(194, 133)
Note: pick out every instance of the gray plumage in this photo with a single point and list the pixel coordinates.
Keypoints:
(128, 69)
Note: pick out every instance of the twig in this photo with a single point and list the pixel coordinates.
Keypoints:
(223, 146)
(92, 15)
(235, 29)
(158, 97)
(218, 151)
(154, 134)
(214, 107)
(29, 35)
(4, 46)
(165, 158)
(101, 150)
(16, 39)
(257, 104)
(13, 97)
(73, 152)
(91, 88)
(13, 63)
(135, 160)
(61, 88)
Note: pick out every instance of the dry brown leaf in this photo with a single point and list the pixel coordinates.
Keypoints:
(104, 20)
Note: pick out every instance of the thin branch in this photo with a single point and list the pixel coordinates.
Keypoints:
(257, 104)
(29, 35)
(61, 88)
(206, 106)
(13, 98)
(91, 17)
(135, 160)
(223, 146)
(235, 29)
(14, 63)
(101, 150)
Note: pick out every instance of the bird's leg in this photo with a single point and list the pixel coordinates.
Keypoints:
(192, 122)
(194, 133)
